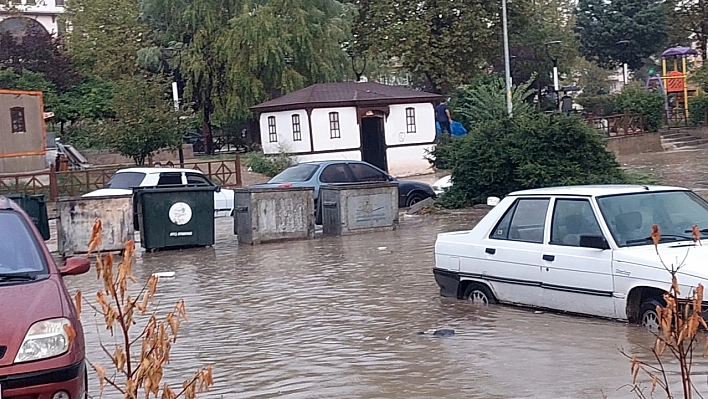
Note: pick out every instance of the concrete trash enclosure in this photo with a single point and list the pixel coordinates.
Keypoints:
(264, 215)
(358, 208)
(76, 217)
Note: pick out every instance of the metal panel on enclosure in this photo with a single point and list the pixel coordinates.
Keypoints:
(359, 208)
(263, 215)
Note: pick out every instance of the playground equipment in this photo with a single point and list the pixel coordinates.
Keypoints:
(675, 81)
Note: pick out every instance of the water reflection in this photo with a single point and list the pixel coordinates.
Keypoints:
(339, 317)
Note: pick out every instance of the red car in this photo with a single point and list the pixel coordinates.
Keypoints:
(41, 340)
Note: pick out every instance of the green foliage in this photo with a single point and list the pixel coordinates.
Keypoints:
(89, 101)
(269, 165)
(535, 150)
(443, 155)
(699, 76)
(602, 24)
(698, 109)
(84, 135)
(106, 36)
(31, 81)
(485, 100)
(634, 99)
(593, 79)
(145, 119)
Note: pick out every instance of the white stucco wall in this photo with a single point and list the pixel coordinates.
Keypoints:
(284, 129)
(408, 161)
(344, 155)
(396, 129)
(46, 12)
(349, 129)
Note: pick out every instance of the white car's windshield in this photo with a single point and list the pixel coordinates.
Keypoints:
(295, 174)
(126, 180)
(630, 216)
(19, 252)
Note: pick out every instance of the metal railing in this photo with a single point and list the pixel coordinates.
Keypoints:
(74, 183)
(619, 125)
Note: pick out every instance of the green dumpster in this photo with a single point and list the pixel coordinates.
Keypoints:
(35, 207)
(175, 217)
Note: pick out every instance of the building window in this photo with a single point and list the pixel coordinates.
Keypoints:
(297, 133)
(334, 132)
(17, 116)
(410, 120)
(272, 133)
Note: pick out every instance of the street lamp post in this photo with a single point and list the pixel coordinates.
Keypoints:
(624, 64)
(556, 83)
(507, 69)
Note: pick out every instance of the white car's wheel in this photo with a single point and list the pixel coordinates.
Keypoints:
(479, 294)
(648, 316)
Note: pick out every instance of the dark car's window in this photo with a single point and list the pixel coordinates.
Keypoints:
(295, 174)
(335, 173)
(19, 252)
(170, 179)
(525, 222)
(198, 180)
(365, 173)
(571, 219)
(126, 180)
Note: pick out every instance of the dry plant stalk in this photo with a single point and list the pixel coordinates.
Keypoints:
(679, 321)
(138, 360)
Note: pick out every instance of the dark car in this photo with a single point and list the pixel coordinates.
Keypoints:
(316, 174)
(42, 353)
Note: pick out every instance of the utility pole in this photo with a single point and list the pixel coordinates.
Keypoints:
(507, 69)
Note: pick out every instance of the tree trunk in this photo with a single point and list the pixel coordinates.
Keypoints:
(206, 132)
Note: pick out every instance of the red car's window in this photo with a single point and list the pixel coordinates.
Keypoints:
(19, 252)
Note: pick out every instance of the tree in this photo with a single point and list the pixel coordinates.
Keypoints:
(446, 43)
(105, 36)
(238, 54)
(591, 78)
(145, 119)
(688, 23)
(604, 26)
(31, 81)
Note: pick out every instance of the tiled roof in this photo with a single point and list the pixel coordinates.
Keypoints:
(345, 94)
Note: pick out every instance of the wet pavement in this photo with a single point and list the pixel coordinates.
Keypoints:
(339, 317)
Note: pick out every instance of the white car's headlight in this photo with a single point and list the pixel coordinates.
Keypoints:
(45, 339)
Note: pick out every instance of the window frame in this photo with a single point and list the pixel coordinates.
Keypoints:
(410, 120)
(353, 167)
(18, 122)
(513, 208)
(169, 174)
(335, 131)
(208, 182)
(272, 130)
(345, 169)
(297, 127)
(553, 220)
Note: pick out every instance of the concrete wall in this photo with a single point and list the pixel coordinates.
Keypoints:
(105, 157)
(396, 127)
(76, 217)
(265, 215)
(635, 143)
(22, 151)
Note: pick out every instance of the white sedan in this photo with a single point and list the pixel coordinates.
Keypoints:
(124, 180)
(583, 249)
(442, 185)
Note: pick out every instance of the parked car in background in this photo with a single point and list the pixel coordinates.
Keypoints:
(442, 185)
(124, 180)
(583, 249)
(42, 352)
(319, 173)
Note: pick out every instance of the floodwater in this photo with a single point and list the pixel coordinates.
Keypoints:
(339, 318)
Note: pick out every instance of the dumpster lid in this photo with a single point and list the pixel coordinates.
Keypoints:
(272, 189)
(174, 189)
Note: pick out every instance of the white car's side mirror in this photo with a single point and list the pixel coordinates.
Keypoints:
(493, 201)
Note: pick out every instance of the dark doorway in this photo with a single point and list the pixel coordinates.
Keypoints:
(373, 142)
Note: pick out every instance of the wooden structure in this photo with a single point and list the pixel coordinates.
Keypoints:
(22, 132)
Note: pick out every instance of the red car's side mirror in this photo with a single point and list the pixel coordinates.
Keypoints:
(75, 266)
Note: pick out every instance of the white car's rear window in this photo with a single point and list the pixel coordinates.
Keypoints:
(126, 180)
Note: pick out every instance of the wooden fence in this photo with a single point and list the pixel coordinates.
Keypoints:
(619, 125)
(74, 183)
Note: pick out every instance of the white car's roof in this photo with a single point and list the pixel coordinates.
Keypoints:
(158, 170)
(595, 190)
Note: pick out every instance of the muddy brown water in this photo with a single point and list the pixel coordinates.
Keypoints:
(339, 317)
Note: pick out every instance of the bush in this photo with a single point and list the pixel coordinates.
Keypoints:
(528, 152)
(601, 105)
(84, 135)
(635, 99)
(269, 165)
(442, 156)
(698, 110)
